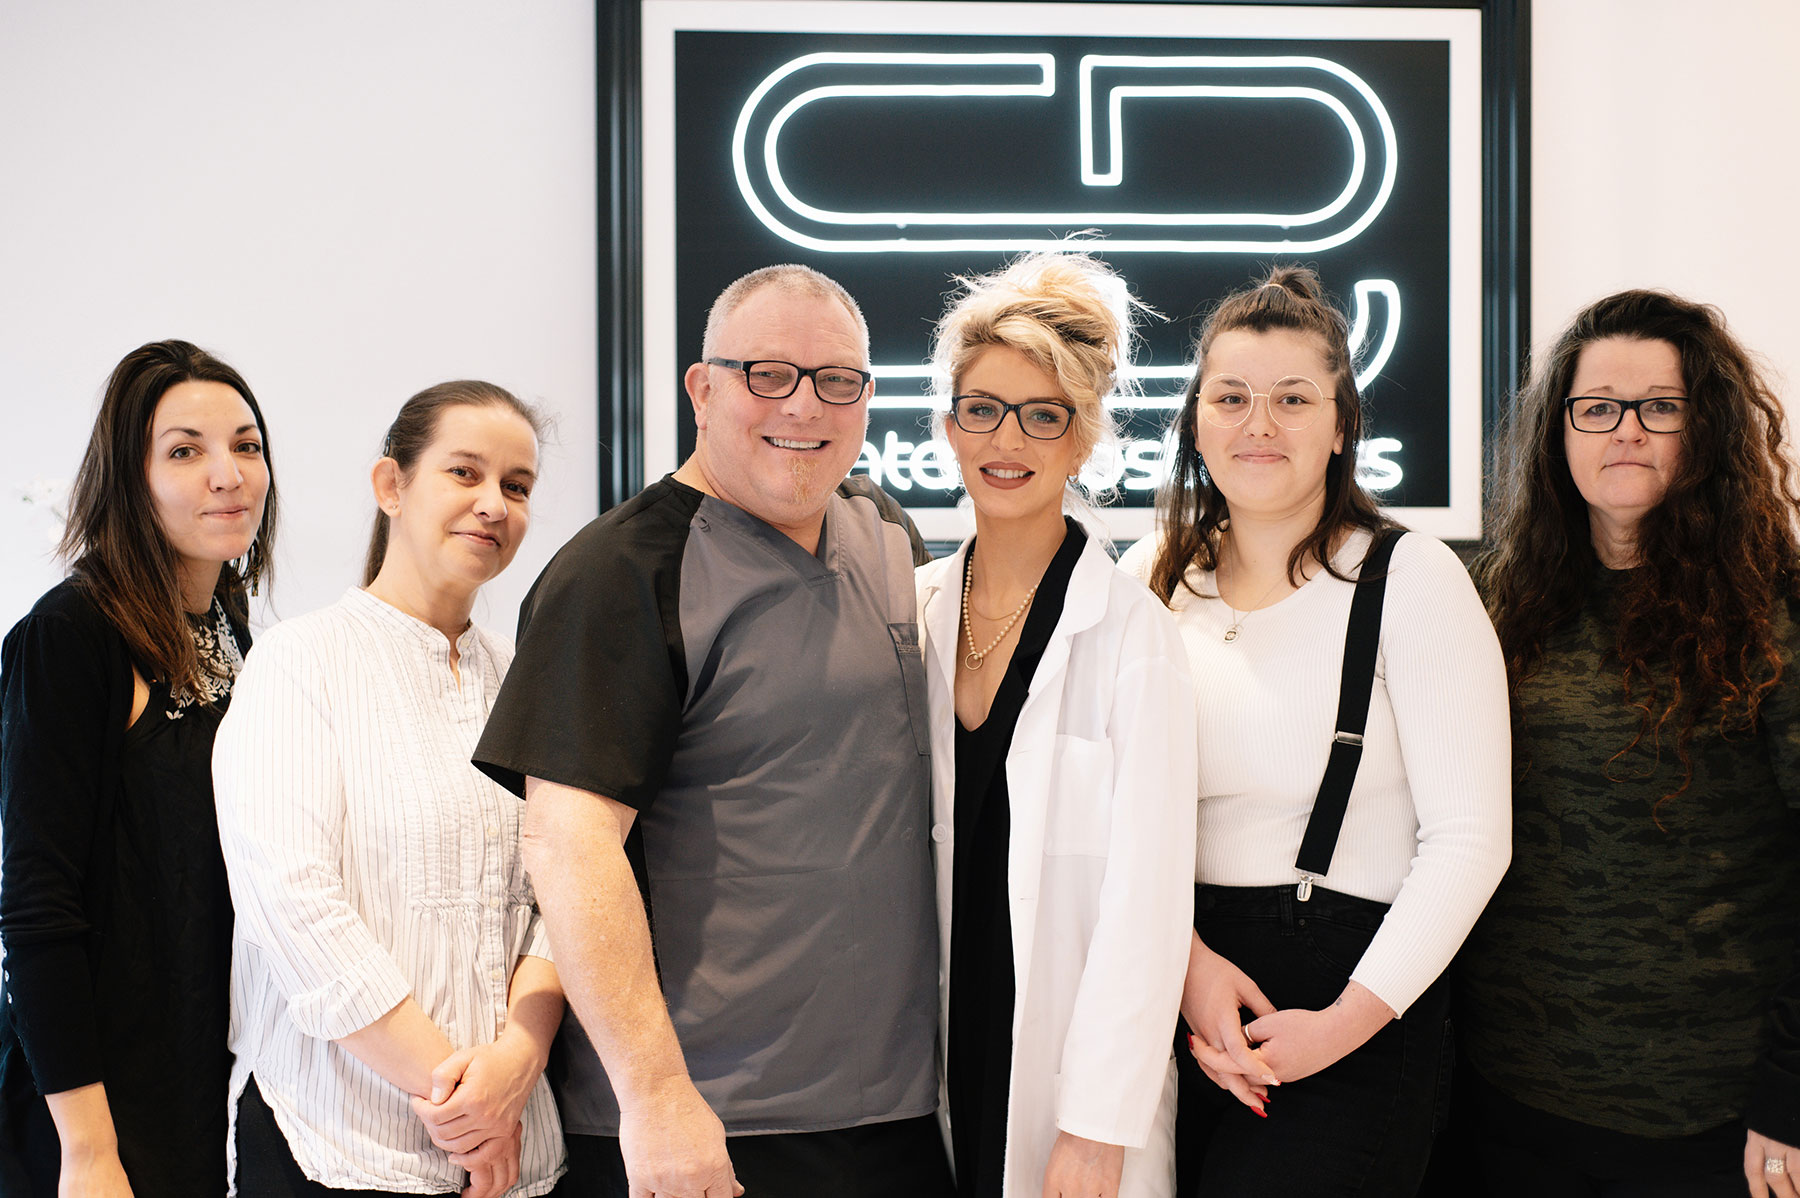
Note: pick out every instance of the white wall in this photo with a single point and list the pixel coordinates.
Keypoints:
(1665, 152)
(348, 200)
(351, 200)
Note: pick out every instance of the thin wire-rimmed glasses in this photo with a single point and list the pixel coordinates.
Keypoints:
(1294, 402)
(1603, 414)
(769, 378)
(1043, 419)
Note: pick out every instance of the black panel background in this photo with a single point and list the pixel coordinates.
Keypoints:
(718, 238)
(1505, 275)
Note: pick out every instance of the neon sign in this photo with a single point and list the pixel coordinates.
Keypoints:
(1217, 79)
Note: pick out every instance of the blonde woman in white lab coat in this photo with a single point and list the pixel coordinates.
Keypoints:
(1064, 771)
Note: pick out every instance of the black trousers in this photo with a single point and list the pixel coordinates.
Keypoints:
(899, 1159)
(1522, 1150)
(265, 1164)
(1362, 1126)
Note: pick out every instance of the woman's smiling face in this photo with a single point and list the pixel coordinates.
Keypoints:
(1008, 474)
(461, 512)
(1261, 468)
(207, 475)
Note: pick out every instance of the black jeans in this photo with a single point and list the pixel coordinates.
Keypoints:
(265, 1164)
(1362, 1126)
(1522, 1150)
(903, 1158)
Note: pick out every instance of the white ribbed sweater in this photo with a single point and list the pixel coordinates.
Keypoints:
(1429, 824)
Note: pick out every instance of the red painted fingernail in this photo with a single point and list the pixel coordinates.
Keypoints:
(1260, 1113)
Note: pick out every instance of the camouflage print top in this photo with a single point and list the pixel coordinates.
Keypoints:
(1622, 974)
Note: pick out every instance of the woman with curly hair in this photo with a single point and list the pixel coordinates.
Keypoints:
(1617, 992)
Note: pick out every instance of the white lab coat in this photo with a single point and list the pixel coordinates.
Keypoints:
(1103, 779)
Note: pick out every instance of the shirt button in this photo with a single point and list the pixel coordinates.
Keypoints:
(493, 830)
(497, 974)
(493, 904)
(940, 833)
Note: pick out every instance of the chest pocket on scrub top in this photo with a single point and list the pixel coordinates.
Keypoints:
(912, 674)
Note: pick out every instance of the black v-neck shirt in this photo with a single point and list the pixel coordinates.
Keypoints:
(979, 1050)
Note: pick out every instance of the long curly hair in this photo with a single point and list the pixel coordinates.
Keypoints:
(1717, 554)
(1190, 508)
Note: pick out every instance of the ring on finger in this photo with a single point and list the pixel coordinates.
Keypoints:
(1775, 1164)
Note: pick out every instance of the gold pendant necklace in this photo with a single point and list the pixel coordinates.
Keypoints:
(1238, 618)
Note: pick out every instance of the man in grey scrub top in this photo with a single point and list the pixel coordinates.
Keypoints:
(717, 718)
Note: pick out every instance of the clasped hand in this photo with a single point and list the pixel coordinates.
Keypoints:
(477, 1097)
(1212, 997)
(1275, 1046)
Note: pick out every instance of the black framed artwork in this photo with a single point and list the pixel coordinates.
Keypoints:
(898, 143)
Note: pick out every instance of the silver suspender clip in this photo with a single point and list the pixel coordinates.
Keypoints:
(1347, 738)
(1303, 891)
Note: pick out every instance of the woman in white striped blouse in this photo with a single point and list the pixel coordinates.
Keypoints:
(393, 1000)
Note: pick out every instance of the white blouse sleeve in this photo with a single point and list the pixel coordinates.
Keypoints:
(537, 938)
(1446, 682)
(278, 782)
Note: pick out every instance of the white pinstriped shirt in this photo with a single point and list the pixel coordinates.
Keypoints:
(369, 860)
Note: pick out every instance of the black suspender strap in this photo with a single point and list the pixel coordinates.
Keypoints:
(1361, 640)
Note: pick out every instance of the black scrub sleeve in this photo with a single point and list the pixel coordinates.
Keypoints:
(594, 697)
(890, 510)
(65, 694)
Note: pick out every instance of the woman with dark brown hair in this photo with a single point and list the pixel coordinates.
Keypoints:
(114, 911)
(1642, 577)
(1340, 861)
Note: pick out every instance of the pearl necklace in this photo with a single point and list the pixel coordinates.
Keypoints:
(975, 656)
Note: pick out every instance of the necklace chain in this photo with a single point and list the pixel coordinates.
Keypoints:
(1238, 618)
(975, 656)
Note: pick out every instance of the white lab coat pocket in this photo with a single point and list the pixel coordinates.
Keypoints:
(1079, 819)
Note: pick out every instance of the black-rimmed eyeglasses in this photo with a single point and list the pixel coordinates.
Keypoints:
(1041, 418)
(772, 379)
(1603, 414)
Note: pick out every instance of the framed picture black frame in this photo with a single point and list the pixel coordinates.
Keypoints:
(1504, 223)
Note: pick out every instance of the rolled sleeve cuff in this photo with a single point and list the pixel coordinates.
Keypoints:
(537, 939)
(350, 1003)
(1086, 1111)
(1102, 1131)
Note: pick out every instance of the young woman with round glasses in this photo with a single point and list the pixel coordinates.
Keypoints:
(1629, 1001)
(1331, 1083)
(1063, 765)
